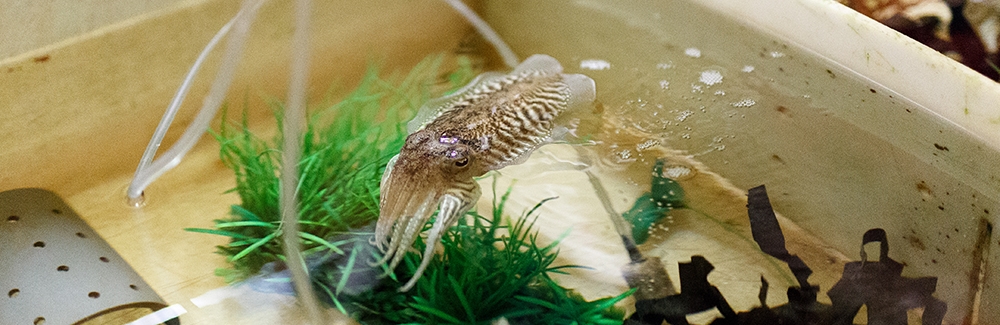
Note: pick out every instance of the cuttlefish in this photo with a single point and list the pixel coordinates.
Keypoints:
(495, 121)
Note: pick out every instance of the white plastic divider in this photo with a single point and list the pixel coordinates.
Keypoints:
(884, 56)
(161, 316)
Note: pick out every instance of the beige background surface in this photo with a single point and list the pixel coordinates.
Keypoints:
(27, 25)
(75, 116)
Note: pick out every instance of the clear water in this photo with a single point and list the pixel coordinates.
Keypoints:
(731, 109)
(839, 154)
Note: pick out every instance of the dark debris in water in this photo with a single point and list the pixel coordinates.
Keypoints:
(877, 284)
(346, 272)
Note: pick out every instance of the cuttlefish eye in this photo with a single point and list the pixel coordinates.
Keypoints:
(459, 156)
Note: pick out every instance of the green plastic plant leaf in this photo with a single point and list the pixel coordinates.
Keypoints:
(484, 274)
(665, 195)
(489, 268)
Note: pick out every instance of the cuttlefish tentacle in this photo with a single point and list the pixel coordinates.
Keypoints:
(453, 205)
(495, 121)
(415, 213)
(413, 227)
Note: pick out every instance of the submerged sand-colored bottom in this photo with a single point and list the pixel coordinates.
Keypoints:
(715, 225)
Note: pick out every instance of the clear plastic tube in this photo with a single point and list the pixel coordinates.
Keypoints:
(292, 126)
(175, 103)
(210, 105)
(484, 29)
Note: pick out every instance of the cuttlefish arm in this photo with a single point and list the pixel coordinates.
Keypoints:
(495, 121)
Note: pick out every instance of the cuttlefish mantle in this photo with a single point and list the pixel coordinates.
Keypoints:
(495, 121)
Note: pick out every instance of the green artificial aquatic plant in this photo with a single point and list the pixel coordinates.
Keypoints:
(342, 162)
(486, 270)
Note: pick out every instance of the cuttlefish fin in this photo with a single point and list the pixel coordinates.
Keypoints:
(435, 107)
(452, 207)
(541, 63)
(579, 118)
(582, 92)
(579, 102)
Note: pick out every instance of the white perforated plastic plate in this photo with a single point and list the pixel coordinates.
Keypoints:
(54, 269)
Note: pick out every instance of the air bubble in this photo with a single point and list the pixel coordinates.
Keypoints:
(137, 202)
(747, 68)
(692, 52)
(595, 65)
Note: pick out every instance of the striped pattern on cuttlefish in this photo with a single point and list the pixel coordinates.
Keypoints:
(495, 121)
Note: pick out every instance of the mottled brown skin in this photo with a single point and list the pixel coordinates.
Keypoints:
(497, 123)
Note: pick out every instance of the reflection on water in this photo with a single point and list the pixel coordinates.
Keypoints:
(725, 110)
(841, 155)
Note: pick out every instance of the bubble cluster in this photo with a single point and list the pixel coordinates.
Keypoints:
(678, 172)
(710, 77)
(684, 115)
(746, 102)
(646, 145)
(625, 155)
